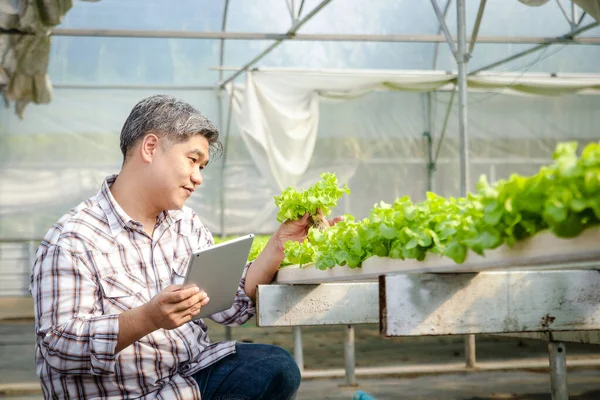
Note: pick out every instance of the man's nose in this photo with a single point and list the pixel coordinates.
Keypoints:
(197, 178)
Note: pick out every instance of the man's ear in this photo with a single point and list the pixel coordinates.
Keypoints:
(149, 147)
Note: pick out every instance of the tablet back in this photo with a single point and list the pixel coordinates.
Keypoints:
(217, 270)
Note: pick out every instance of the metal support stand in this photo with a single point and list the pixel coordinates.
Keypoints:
(298, 353)
(349, 356)
(430, 161)
(470, 356)
(558, 370)
(462, 59)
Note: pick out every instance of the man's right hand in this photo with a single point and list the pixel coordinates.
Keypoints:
(175, 305)
(172, 307)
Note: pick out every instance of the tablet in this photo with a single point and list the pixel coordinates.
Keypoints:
(217, 270)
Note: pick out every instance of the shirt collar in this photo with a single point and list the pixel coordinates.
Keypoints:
(118, 218)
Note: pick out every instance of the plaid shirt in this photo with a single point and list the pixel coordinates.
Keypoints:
(95, 263)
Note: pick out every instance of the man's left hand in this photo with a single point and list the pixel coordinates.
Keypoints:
(298, 230)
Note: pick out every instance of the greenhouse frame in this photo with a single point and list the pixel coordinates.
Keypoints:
(394, 97)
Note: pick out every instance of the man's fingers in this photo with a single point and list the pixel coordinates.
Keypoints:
(192, 311)
(190, 302)
(175, 288)
(304, 218)
(336, 220)
(182, 294)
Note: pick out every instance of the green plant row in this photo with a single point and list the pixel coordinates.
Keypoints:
(563, 197)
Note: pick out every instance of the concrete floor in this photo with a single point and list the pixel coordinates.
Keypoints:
(323, 350)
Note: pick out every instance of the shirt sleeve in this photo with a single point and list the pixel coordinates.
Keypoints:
(71, 336)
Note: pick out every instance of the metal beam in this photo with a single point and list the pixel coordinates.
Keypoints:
(295, 9)
(300, 9)
(298, 349)
(567, 37)
(473, 39)
(130, 87)
(221, 124)
(462, 60)
(557, 353)
(222, 47)
(436, 47)
(444, 127)
(431, 106)
(489, 302)
(309, 37)
(290, 32)
(290, 8)
(444, 27)
(564, 12)
(324, 304)
(581, 18)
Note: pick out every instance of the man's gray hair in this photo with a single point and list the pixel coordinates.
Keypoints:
(169, 118)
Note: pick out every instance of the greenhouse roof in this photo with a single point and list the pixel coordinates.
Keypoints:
(204, 43)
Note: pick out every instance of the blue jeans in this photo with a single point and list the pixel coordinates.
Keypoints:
(254, 372)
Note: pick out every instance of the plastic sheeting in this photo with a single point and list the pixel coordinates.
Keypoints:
(60, 155)
(277, 113)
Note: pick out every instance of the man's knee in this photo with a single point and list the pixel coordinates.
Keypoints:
(278, 369)
(288, 372)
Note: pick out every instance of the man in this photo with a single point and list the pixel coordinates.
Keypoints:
(110, 321)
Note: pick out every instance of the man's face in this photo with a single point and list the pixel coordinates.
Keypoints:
(176, 171)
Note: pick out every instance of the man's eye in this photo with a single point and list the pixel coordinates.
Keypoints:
(193, 159)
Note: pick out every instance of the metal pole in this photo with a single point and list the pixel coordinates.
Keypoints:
(470, 351)
(581, 18)
(430, 111)
(221, 124)
(130, 87)
(444, 126)
(292, 31)
(290, 7)
(222, 47)
(303, 37)
(349, 356)
(429, 140)
(473, 39)
(443, 27)
(562, 8)
(430, 163)
(436, 48)
(225, 150)
(573, 15)
(567, 37)
(298, 353)
(300, 9)
(462, 59)
(558, 370)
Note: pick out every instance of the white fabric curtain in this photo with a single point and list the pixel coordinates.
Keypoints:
(277, 111)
